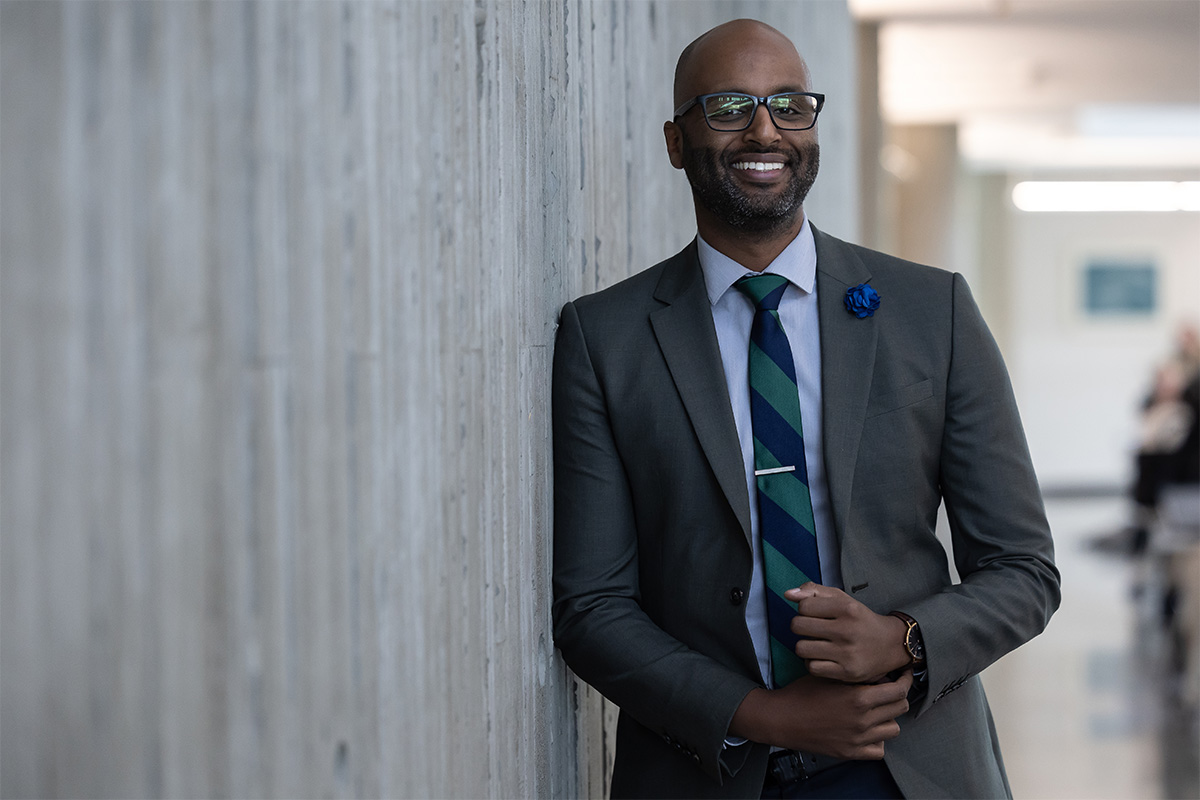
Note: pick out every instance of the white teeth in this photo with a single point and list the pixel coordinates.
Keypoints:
(761, 166)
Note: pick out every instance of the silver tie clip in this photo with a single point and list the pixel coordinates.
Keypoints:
(773, 471)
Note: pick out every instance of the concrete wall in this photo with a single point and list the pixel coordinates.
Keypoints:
(279, 289)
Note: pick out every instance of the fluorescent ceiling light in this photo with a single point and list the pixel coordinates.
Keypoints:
(1107, 195)
(884, 9)
(1163, 120)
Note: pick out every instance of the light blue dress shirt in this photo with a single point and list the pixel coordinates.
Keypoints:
(733, 314)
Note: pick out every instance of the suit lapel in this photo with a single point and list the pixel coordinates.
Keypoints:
(847, 364)
(685, 333)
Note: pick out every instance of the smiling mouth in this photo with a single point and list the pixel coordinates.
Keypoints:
(758, 166)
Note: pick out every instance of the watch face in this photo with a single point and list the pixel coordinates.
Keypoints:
(916, 647)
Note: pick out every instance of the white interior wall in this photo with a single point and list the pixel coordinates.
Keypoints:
(1080, 381)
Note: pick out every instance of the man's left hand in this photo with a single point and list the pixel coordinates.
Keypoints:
(842, 638)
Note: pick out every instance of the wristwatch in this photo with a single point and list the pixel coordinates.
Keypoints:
(913, 642)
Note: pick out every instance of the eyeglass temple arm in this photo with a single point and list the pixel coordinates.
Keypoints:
(683, 109)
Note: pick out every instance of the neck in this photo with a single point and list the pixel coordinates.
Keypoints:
(754, 251)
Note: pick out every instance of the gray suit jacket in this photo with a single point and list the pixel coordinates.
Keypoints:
(652, 518)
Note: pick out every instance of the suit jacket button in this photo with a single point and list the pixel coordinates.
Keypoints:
(736, 596)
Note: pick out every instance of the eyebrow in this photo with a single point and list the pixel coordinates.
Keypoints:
(777, 90)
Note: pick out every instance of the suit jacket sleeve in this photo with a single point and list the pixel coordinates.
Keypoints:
(1001, 541)
(685, 697)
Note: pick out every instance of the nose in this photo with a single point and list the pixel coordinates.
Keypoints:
(762, 128)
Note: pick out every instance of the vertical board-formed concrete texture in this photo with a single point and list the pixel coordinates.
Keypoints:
(279, 289)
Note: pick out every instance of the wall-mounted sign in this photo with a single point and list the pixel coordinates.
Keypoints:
(1124, 287)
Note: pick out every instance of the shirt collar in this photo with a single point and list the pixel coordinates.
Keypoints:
(797, 263)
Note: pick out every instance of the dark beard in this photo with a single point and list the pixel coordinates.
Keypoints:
(715, 189)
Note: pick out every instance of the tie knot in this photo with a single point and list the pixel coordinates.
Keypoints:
(765, 290)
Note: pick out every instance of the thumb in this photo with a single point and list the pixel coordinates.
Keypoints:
(801, 592)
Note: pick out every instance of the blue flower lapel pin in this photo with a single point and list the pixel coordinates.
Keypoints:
(862, 300)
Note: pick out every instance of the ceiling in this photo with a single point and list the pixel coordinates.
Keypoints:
(1046, 84)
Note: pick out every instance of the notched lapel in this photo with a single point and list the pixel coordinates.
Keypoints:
(688, 340)
(847, 365)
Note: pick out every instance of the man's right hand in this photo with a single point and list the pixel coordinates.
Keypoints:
(827, 717)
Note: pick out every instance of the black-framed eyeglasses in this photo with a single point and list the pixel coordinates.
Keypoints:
(734, 111)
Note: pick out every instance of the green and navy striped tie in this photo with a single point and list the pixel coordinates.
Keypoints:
(785, 517)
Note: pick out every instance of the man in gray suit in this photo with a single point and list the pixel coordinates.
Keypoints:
(664, 505)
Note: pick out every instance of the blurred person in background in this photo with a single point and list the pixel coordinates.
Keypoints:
(1167, 494)
(1169, 437)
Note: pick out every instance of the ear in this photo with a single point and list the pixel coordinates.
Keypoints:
(674, 137)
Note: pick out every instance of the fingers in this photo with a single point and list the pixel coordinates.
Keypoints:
(803, 591)
(829, 654)
(884, 732)
(815, 600)
(822, 668)
(877, 723)
(871, 752)
(837, 671)
(882, 704)
(831, 659)
(841, 719)
(885, 691)
(884, 701)
(816, 628)
(817, 649)
(824, 602)
(889, 713)
(820, 607)
(888, 708)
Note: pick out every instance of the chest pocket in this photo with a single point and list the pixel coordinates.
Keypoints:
(899, 398)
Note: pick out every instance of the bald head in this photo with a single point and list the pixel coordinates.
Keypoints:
(734, 47)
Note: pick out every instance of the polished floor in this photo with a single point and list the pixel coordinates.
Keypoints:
(1092, 709)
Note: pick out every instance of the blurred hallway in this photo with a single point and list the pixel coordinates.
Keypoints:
(1086, 710)
(965, 103)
